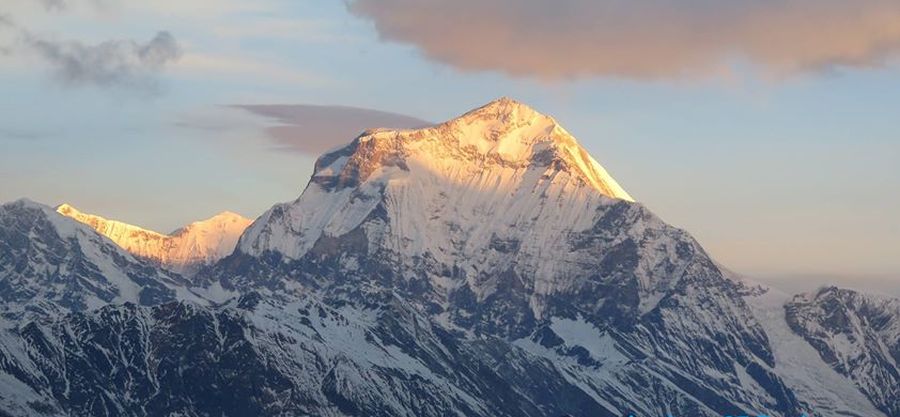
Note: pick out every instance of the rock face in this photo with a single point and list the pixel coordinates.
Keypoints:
(858, 335)
(487, 266)
(185, 250)
(259, 356)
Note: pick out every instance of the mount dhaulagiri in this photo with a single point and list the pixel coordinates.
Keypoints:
(486, 266)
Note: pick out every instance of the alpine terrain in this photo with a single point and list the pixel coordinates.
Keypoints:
(185, 250)
(485, 266)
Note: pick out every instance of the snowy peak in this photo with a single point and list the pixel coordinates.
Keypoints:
(500, 135)
(514, 131)
(199, 243)
(214, 238)
(504, 110)
(501, 172)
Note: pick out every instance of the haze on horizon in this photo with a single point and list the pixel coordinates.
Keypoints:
(775, 146)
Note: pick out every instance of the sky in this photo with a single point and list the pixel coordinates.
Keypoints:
(766, 129)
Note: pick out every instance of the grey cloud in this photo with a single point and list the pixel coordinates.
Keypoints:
(63, 5)
(111, 63)
(54, 5)
(6, 21)
(311, 129)
(641, 39)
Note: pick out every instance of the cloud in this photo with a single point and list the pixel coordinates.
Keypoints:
(111, 63)
(66, 5)
(643, 39)
(312, 130)
(54, 5)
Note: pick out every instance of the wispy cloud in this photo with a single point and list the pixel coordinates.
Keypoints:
(114, 63)
(641, 39)
(54, 4)
(311, 130)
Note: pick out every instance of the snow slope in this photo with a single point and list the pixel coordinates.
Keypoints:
(801, 366)
(183, 251)
(858, 335)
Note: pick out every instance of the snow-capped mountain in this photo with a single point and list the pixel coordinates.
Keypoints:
(499, 223)
(489, 167)
(49, 261)
(184, 251)
(486, 266)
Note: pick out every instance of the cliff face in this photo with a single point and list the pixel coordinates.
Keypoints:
(857, 335)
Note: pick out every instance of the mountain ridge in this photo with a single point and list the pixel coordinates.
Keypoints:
(185, 250)
(50, 262)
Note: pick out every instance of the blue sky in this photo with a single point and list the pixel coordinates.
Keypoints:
(778, 165)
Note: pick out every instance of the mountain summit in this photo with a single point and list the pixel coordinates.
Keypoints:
(503, 135)
(501, 191)
(499, 168)
(184, 250)
(514, 132)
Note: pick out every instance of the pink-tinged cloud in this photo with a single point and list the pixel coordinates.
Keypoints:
(312, 129)
(642, 39)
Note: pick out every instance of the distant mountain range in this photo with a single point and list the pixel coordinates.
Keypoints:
(485, 266)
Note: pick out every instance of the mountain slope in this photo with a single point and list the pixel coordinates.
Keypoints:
(184, 251)
(828, 392)
(48, 261)
(265, 356)
(858, 335)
